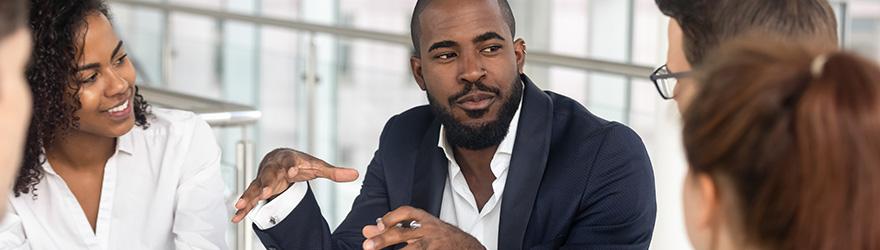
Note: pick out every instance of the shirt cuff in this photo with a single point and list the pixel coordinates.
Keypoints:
(266, 216)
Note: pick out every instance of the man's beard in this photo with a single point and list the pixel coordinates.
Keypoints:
(484, 135)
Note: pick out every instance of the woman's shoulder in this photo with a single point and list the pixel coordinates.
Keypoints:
(162, 117)
(173, 121)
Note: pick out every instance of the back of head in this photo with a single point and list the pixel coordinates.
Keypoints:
(797, 138)
(12, 16)
(707, 23)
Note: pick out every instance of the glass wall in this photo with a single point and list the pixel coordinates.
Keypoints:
(331, 96)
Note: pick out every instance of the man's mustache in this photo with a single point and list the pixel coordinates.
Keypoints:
(479, 85)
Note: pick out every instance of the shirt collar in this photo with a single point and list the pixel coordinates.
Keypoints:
(505, 147)
(124, 144)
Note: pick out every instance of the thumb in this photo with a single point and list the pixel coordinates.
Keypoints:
(337, 174)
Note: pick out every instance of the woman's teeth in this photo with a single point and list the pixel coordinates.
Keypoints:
(119, 108)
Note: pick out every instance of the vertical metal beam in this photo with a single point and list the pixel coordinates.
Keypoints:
(240, 184)
(249, 174)
(311, 90)
(630, 44)
(245, 172)
(167, 50)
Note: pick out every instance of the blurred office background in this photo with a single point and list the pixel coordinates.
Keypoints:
(323, 76)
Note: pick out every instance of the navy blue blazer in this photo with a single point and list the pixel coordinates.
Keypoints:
(575, 181)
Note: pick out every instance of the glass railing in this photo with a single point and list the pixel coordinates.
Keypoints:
(220, 115)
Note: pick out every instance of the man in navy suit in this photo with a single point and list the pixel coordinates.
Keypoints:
(492, 163)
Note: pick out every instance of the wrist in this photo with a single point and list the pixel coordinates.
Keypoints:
(276, 195)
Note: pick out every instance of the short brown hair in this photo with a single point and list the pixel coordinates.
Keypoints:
(13, 15)
(799, 147)
(707, 23)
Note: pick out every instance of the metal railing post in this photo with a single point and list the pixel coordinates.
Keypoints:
(245, 172)
(240, 182)
(311, 72)
(167, 52)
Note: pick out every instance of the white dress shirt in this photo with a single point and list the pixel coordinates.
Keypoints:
(162, 189)
(458, 207)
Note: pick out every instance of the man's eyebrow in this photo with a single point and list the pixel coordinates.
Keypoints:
(442, 44)
(487, 36)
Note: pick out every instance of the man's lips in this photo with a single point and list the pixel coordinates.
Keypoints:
(476, 101)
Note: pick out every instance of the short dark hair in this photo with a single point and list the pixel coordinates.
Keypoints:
(12, 16)
(416, 32)
(707, 23)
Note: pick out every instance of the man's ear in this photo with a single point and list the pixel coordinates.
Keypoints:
(519, 48)
(415, 64)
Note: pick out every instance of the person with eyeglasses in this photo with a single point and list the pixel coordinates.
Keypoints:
(697, 27)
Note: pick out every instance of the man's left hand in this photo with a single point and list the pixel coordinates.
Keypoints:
(432, 234)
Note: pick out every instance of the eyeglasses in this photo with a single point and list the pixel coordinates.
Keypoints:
(666, 80)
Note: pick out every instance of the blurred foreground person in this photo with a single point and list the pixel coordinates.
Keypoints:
(15, 99)
(784, 150)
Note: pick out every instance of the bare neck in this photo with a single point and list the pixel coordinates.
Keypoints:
(81, 151)
(475, 161)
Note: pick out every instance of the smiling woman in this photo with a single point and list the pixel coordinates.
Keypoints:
(64, 107)
(98, 158)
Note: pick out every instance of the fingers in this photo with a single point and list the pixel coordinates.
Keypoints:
(391, 236)
(292, 173)
(388, 234)
(403, 213)
(371, 231)
(328, 171)
(340, 174)
(248, 200)
(300, 166)
(279, 169)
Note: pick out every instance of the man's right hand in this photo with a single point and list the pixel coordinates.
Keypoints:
(279, 169)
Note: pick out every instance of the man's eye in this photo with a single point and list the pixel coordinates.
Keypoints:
(446, 56)
(491, 49)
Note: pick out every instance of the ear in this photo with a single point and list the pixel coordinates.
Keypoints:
(710, 201)
(519, 49)
(415, 64)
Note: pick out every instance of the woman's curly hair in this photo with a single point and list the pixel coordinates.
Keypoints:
(52, 75)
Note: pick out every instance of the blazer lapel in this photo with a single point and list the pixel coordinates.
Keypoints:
(527, 165)
(429, 177)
